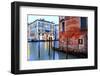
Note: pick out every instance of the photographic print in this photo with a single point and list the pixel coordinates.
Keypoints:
(56, 37)
(52, 37)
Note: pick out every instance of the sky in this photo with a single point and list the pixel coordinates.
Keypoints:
(54, 19)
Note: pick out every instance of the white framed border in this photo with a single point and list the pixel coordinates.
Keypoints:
(27, 65)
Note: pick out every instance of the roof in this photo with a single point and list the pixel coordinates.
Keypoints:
(40, 20)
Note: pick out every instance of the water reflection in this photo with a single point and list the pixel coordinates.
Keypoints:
(44, 51)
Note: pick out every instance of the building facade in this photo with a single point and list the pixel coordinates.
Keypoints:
(73, 34)
(41, 29)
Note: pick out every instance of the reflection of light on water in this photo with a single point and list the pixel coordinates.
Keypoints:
(56, 56)
(46, 45)
(28, 51)
(44, 51)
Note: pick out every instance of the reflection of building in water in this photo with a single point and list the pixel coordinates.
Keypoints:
(56, 31)
(73, 33)
(41, 29)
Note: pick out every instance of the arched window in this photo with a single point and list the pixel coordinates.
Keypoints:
(63, 28)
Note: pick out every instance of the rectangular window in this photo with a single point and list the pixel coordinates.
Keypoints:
(83, 22)
(80, 41)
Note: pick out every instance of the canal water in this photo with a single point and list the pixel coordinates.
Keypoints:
(43, 51)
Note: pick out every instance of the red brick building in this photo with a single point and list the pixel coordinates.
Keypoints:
(72, 34)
